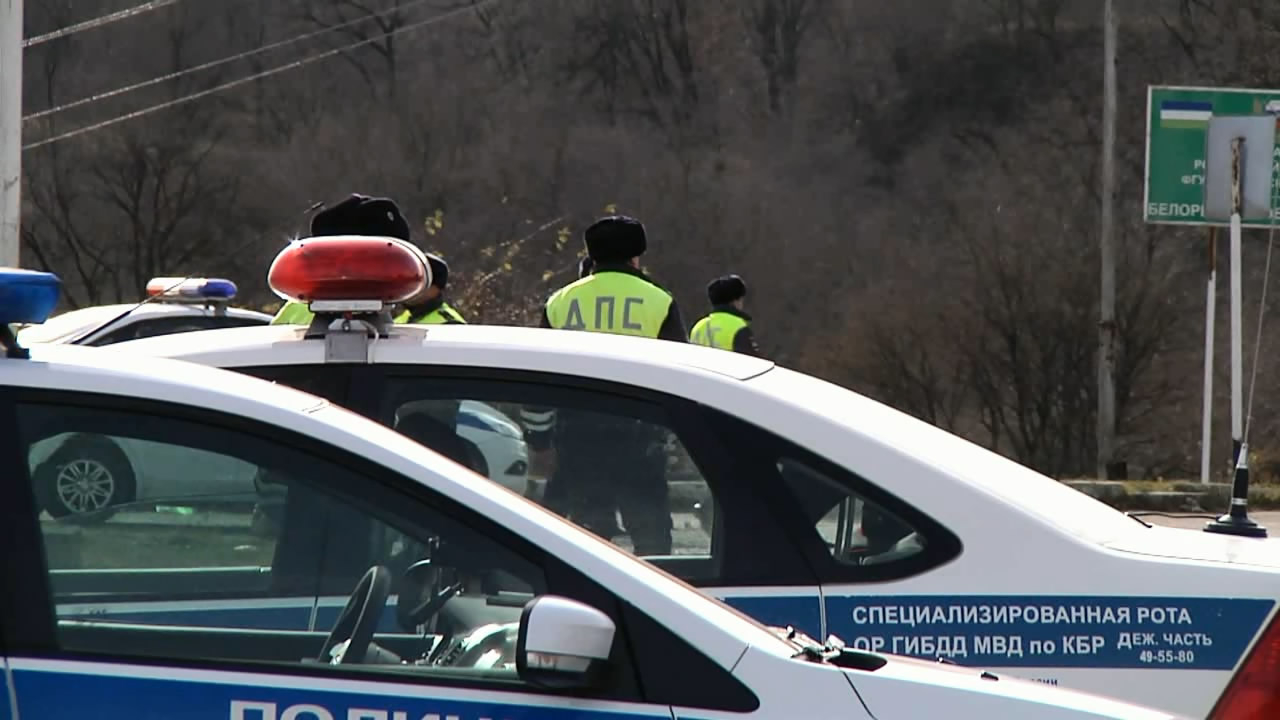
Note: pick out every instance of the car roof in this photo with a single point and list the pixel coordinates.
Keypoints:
(521, 348)
(722, 632)
(64, 326)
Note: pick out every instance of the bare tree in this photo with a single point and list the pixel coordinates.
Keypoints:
(778, 28)
(356, 20)
(641, 55)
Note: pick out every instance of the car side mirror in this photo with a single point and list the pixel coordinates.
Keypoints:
(562, 643)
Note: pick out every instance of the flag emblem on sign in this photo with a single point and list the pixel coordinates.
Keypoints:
(1185, 114)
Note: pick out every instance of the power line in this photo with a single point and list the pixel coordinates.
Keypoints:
(256, 76)
(212, 64)
(97, 22)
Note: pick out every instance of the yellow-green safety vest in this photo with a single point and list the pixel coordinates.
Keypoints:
(435, 317)
(293, 313)
(610, 302)
(296, 313)
(717, 330)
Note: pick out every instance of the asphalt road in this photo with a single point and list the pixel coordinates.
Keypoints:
(1270, 519)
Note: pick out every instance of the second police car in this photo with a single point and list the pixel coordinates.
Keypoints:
(502, 609)
(803, 503)
(172, 305)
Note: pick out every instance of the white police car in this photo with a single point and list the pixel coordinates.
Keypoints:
(85, 476)
(459, 600)
(960, 552)
(172, 305)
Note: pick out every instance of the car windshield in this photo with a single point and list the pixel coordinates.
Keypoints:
(69, 325)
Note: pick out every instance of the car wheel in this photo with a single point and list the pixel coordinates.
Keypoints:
(475, 458)
(84, 479)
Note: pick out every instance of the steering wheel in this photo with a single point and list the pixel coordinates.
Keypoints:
(354, 628)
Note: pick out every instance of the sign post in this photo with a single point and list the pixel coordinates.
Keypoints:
(1238, 181)
(1178, 120)
(1212, 160)
(1239, 162)
(1211, 305)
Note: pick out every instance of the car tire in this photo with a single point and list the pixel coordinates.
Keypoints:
(84, 479)
(475, 458)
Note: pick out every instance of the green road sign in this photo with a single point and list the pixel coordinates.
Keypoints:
(1177, 121)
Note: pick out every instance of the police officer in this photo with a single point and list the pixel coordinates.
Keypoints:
(430, 308)
(357, 215)
(727, 326)
(616, 297)
(603, 463)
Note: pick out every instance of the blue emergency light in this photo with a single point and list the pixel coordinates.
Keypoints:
(26, 296)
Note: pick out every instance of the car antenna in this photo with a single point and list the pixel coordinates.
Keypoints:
(127, 311)
(1236, 521)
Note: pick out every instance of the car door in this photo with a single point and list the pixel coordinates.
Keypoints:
(69, 664)
(725, 536)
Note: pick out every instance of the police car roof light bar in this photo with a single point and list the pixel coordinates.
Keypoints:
(355, 278)
(200, 290)
(26, 296)
(354, 270)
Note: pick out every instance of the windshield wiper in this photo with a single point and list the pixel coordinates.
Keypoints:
(811, 649)
(93, 330)
(834, 652)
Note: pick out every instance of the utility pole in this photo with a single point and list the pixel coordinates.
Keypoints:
(10, 129)
(1106, 240)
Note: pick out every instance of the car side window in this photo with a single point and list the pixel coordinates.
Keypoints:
(617, 466)
(106, 516)
(864, 532)
(858, 532)
(233, 544)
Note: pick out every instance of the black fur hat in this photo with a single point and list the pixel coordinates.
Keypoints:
(614, 239)
(725, 289)
(361, 215)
